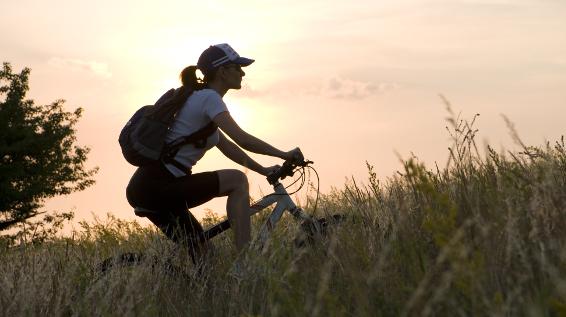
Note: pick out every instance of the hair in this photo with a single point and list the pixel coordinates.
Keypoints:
(190, 80)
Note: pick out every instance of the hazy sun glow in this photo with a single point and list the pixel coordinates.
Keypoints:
(253, 116)
(241, 114)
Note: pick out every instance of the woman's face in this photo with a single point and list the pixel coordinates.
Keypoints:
(233, 75)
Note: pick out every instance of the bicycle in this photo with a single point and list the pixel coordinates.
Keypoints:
(312, 228)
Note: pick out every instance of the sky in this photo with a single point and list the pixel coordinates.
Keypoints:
(349, 82)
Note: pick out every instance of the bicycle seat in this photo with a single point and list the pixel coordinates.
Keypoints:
(144, 212)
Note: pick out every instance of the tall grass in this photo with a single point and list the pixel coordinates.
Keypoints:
(485, 235)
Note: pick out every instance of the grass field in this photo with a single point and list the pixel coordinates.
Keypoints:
(484, 235)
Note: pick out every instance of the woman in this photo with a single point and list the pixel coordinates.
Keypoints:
(171, 190)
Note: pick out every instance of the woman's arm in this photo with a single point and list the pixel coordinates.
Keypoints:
(233, 152)
(247, 141)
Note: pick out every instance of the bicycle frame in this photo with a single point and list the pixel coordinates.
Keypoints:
(280, 197)
(283, 203)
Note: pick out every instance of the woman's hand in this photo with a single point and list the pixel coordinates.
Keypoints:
(268, 170)
(294, 155)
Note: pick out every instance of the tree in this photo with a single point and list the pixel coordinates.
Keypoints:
(38, 155)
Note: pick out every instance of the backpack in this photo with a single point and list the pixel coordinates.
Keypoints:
(142, 139)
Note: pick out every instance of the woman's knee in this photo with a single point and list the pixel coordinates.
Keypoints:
(231, 180)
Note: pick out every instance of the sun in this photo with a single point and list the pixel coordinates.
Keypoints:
(253, 116)
(241, 114)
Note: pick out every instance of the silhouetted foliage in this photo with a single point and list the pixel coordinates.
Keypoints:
(39, 158)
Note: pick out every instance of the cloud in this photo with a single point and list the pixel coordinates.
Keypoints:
(333, 88)
(345, 88)
(97, 68)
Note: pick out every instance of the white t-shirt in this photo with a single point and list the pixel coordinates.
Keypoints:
(198, 111)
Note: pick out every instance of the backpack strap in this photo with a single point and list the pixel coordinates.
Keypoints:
(198, 139)
(177, 164)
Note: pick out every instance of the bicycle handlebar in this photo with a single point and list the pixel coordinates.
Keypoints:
(288, 169)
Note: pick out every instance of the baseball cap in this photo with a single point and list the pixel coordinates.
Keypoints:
(218, 55)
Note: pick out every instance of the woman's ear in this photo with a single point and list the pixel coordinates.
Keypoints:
(221, 72)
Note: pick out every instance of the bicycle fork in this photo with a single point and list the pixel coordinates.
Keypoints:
(284, 203)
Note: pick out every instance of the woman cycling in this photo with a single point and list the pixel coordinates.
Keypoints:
(172, 189)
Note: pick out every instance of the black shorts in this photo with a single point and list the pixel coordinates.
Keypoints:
(154, 187)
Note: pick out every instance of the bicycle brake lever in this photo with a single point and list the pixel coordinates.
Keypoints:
(288, 169)
(281, 173)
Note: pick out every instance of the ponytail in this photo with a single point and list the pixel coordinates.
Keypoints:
(190, 80)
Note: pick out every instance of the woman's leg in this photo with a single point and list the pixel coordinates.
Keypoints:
(234, 184)
(179, 225)
(152, 187)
